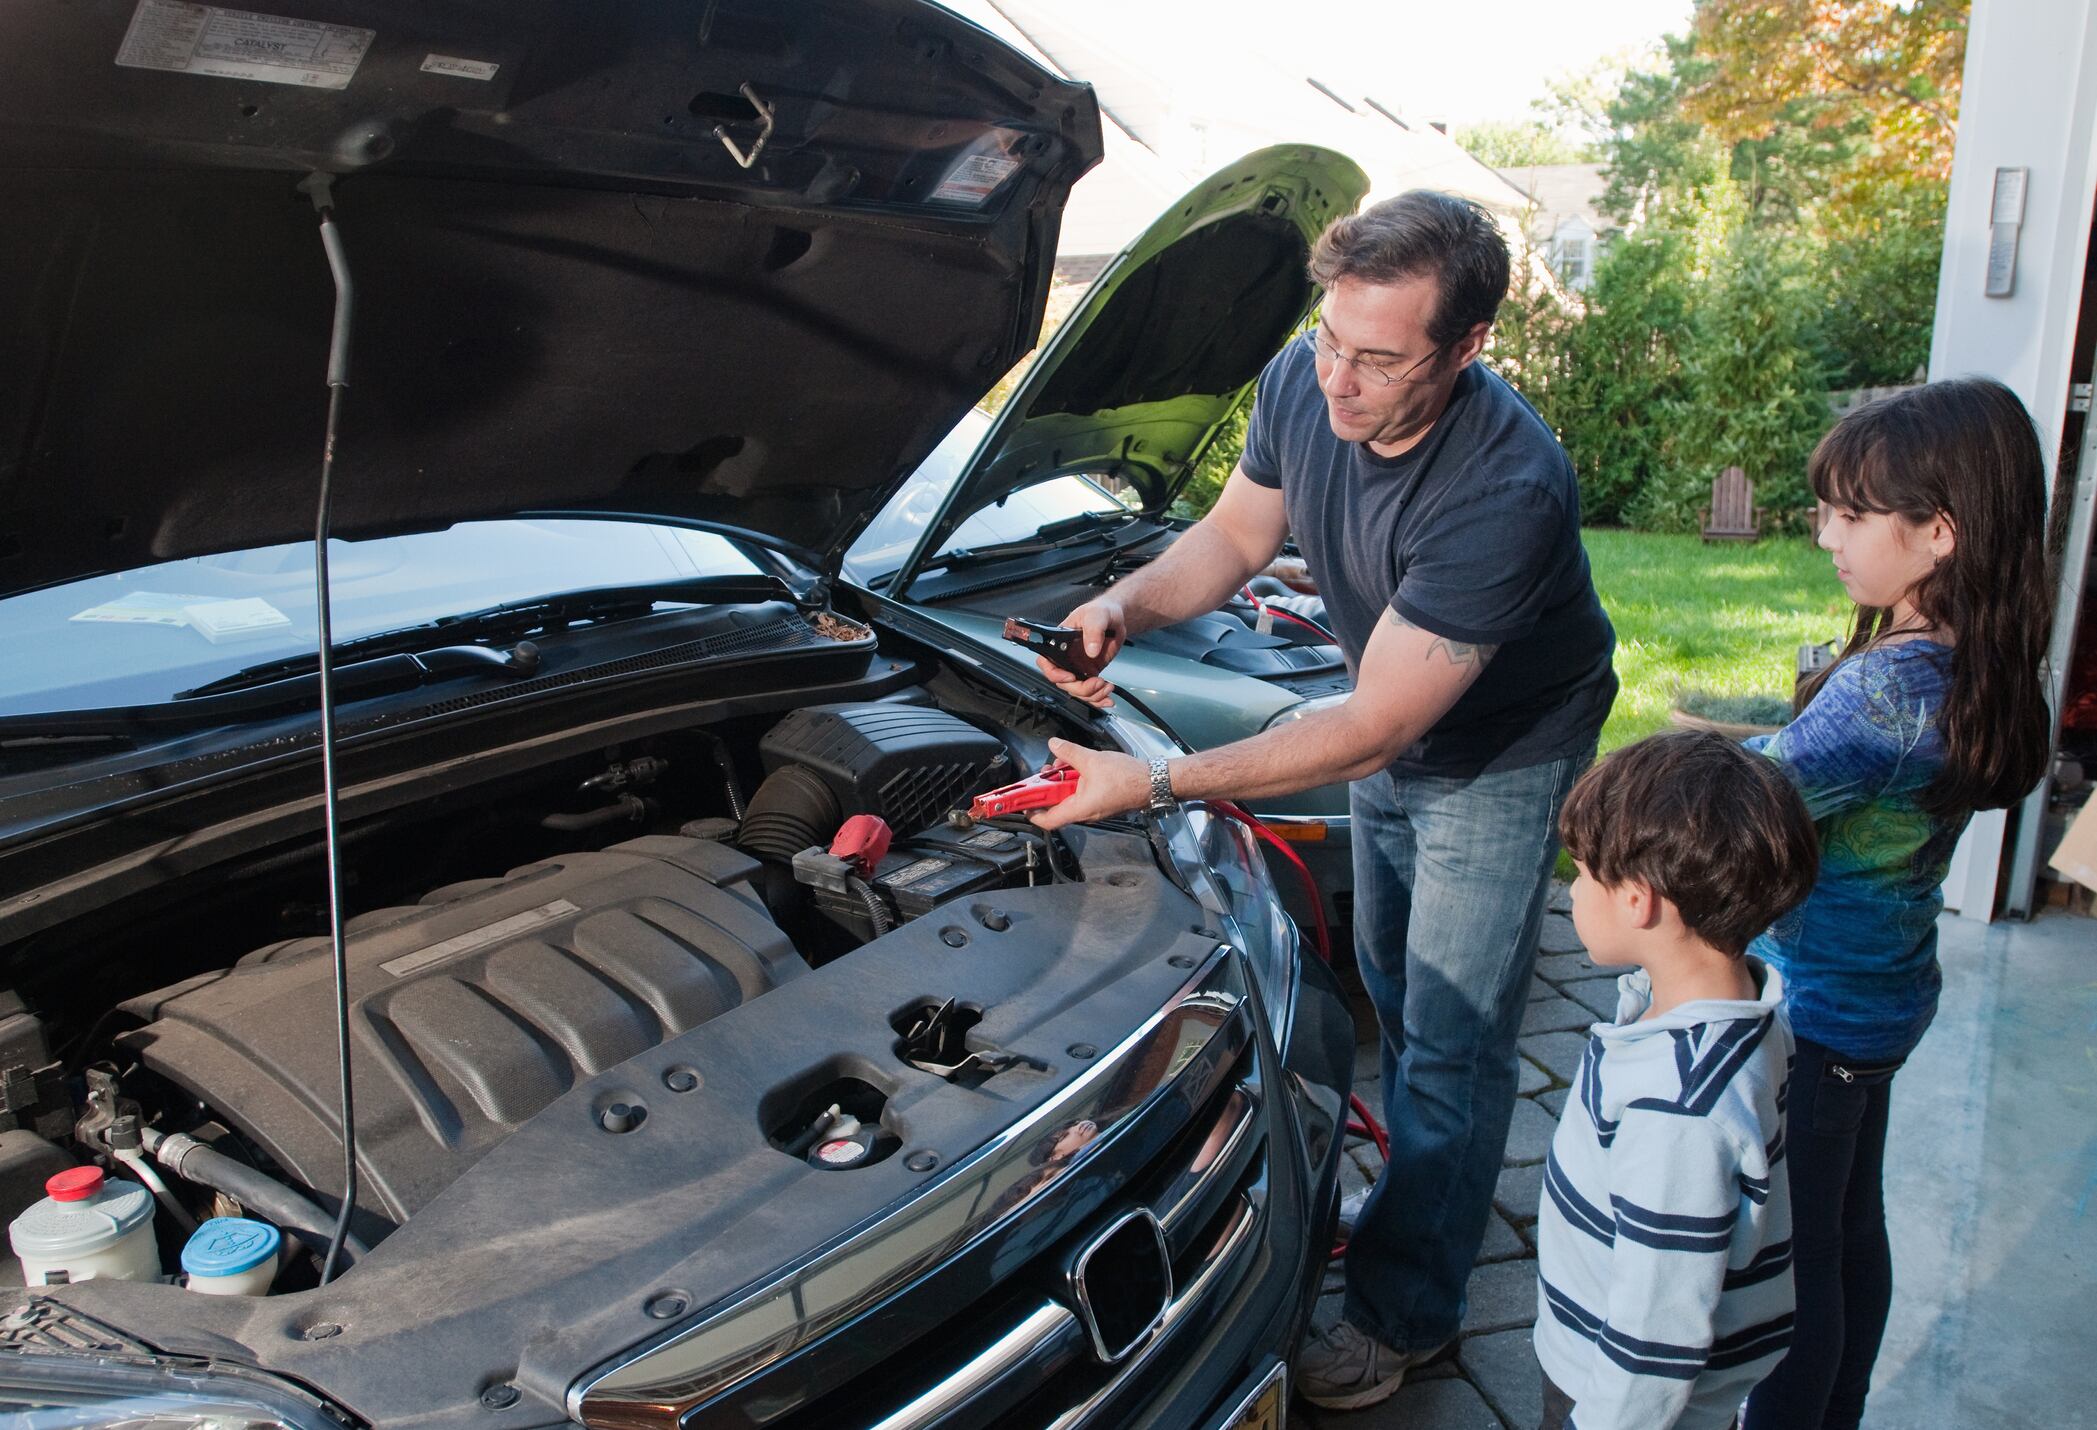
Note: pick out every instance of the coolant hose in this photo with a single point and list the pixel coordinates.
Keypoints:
(143, 1170)
(192, 1161)
(630, 807)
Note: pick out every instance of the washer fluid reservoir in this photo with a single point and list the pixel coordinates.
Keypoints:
(232, 1256)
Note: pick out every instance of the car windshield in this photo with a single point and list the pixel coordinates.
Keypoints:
(138, 637)
(889, 537)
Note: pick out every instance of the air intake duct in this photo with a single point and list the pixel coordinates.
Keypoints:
(793, 809)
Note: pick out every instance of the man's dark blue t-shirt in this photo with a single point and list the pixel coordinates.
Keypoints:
(1473, 534)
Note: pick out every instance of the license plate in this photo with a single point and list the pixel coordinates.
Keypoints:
(1267, 1408)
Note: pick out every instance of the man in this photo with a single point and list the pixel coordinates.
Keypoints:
(1441, 521)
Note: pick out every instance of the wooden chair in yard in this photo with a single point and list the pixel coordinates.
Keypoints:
(1732, 515)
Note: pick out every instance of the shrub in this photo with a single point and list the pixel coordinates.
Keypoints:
(1752, 390)
(1621, 371)
(1879, 272)
(1214, 469)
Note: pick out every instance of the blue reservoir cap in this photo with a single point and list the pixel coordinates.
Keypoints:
(229, 1245)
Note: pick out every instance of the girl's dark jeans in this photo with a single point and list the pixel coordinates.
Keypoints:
(1835, 1147)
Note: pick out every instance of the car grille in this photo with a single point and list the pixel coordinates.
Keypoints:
(992, 1335)
(1021, 1358)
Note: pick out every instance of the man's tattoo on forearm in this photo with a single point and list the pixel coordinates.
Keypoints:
(1454, 651)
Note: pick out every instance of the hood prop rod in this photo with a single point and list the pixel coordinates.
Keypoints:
(319, 188)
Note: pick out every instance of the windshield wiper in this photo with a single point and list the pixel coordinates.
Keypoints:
(1055, 536)
(450, 645)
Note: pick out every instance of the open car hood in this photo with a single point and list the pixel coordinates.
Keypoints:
(571, 294)
(1168, 341)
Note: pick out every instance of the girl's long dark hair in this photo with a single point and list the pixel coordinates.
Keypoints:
(1965, 449)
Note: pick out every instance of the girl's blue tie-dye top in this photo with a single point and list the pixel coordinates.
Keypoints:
(1859, 957)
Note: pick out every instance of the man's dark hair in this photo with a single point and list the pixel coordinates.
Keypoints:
(1716, 831)
(1419, 232)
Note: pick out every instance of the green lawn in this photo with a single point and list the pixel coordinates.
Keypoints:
(1725, 618)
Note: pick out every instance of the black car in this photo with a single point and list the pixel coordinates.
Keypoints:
(590, 969)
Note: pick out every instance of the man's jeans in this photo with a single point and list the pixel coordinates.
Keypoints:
(1449, 883)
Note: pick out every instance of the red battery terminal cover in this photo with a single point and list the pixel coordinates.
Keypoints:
(1052, 786)
(862, 841)
(1065, 645)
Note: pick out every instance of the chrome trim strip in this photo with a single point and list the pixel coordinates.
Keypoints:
(1240, 1115)
(1081, 1292)
(1049, 1321)
(1224, 1253)
(1341, 822)
(1280, 1372)
(657, 1379)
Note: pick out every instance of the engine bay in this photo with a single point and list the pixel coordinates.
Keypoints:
(507, 945)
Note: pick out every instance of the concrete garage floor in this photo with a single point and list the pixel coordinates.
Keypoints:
(1991, 1191)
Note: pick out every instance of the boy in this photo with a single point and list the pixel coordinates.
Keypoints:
(1664, 1237)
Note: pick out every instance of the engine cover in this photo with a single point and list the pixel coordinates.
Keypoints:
(470, 1012)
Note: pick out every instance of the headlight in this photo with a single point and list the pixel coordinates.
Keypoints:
(1304, 707)
(1221, 863)
(41, 1392)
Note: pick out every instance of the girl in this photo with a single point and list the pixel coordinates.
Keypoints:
(1934, 710)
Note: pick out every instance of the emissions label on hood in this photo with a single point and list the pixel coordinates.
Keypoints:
(462, 68)
(974, 179)
(240, 44)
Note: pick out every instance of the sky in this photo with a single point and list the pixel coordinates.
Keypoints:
(1464, 62)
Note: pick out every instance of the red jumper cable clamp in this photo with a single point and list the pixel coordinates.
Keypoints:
(1052, 786)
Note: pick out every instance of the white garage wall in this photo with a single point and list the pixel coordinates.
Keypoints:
(2029, 101)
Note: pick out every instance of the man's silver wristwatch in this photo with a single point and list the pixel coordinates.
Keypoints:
(1161, 800)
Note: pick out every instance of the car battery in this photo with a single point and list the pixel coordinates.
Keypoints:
(1010, 851)
(919, 876)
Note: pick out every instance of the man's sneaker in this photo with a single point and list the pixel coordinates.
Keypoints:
(1351, 1212)
(1343, 1368)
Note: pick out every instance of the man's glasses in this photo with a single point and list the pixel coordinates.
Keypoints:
(1371, 370)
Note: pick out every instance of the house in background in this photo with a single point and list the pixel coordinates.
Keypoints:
(1564, 223)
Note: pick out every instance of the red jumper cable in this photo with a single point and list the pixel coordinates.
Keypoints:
(1361, 1122)
(1258, 605)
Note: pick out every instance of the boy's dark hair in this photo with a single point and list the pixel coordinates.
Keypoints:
(1716, 831)
(1420, 232)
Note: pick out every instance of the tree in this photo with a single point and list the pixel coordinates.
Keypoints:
(1656, 150)
(1577, 103)
(1509, 144)
(1663, 145)
(1879, 263)
(1752, 390)
(1778, 174)
(1886, 71)
(1621, 371)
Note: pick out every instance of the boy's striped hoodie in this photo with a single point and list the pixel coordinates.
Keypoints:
(1664, 1236)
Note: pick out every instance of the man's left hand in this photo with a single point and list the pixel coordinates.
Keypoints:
(1109, 783)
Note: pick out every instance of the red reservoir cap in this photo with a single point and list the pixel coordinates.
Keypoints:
(75, 1184)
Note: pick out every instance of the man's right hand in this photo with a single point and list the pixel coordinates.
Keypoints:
(1103, 627)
